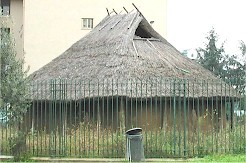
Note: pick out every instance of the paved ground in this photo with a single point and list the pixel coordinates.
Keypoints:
(100, 160)
(48, 159)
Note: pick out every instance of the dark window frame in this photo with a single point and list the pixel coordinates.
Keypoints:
(3, 31)
(89, 23)
(5, 3)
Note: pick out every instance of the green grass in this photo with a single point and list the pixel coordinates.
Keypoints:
(88, 141)
(222, 158)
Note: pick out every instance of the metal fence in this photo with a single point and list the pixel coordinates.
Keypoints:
(179, 118)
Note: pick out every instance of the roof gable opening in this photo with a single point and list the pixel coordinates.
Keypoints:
(142, 32)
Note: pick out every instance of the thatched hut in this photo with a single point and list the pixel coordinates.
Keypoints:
(124, 74)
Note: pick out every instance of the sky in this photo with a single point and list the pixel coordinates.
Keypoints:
(189, 21)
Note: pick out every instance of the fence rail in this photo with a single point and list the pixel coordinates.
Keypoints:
(180, 118)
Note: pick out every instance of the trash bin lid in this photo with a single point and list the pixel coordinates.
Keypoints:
(133, 131)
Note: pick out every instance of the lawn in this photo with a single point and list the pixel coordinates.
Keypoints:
(221, 158)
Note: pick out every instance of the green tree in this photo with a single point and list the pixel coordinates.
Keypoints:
(14, 91)
(243, 50)
(212, 57)
(230, 68)
(234, 70)
(236, 73)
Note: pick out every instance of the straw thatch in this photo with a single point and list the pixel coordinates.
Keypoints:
(126, 49)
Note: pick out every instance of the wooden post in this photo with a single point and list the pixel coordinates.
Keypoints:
(108, 12)
(98, 116)
(122, 115)
(232, 113)
(125, 9)
(115, 12)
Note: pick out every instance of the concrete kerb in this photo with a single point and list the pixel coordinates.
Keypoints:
(49, 159)
(3, 157)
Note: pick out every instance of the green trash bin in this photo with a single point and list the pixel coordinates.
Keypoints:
(134, 145)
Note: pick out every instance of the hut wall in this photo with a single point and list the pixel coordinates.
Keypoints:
(50, 115)
(169, 113)
(115, 113)
(58, 115)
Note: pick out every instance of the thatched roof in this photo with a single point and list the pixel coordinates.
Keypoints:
(123, 48)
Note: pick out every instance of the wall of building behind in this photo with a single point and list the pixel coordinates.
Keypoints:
(16, 10)
(52, 26)
(14, 21)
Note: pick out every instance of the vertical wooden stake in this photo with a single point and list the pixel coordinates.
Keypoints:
(122, 115)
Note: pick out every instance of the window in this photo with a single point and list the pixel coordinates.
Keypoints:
(5, 7)
(87, 23)
(4, 32)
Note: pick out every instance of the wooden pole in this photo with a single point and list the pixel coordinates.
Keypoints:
(122, 115)
(108, 12)
(125, 9)
(115, 11)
